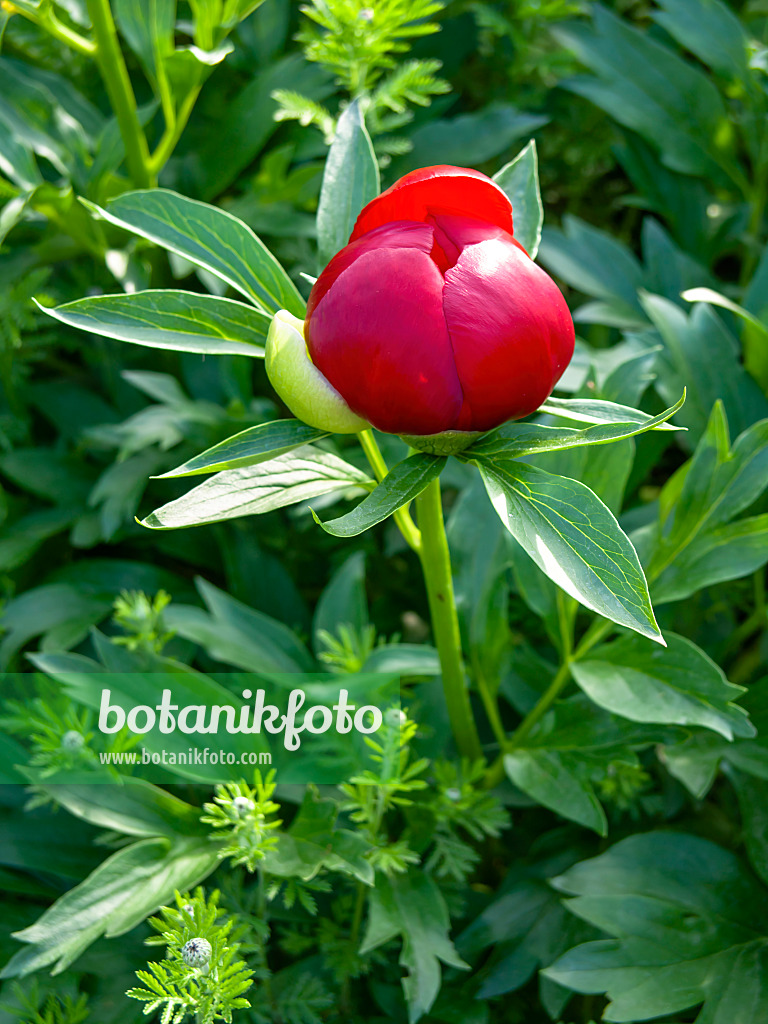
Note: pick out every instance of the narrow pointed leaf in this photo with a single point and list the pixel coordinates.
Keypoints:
(182, 321)
(520, 180)
(573, 538)
(514, 440)
(593, 410)
(250, 447)
(252, 490)
(350, 181)
(402, 484)
(209, 238)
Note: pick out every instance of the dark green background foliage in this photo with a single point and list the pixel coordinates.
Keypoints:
(613, 864)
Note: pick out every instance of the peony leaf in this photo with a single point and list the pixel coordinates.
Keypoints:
(182, 321)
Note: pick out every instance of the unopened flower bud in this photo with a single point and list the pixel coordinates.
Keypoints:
(395, 717)
(243, 805)
(366, 14)
(72, 740)
(196, 953)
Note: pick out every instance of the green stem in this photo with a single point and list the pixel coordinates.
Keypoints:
(51, 24)
(436, 565)
(599, 629)
(174, 128)
(120, 91)
(402, 517)
(541, 707)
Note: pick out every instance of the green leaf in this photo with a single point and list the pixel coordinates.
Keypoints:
(182, 321)
(253, 490)
(525, 927)
(694, 543)
(210, 238)
(132, 806)
(482, 134)
(239, 635)
(702, 355)
(129, 886)
(559, 782)
(574, 539)
(250, 447)
(343, 601)
(350, 181)
(515, 440)
(754, 818)
(314, 842)
(695, 760)
(646, 87)
(676, 685)
(710, 30)
(595, 410)
(520, 180)
(686, 922)
(402, 484)
(411, 906)
(598, 265)
(755, 340)
(148, 27)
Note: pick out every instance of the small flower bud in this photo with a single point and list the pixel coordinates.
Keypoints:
(395, 717)
(366, 14)
(196, 953)
(72, 740)
(189, 909)
(453, 794)
(243, 805)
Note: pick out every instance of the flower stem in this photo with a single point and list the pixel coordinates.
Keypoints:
(120, 91)
(436, 565)
(402, 517)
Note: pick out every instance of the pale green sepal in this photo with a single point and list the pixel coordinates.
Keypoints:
(448, 442)
(299, 383)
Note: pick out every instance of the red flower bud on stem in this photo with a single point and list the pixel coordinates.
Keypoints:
(433, 318)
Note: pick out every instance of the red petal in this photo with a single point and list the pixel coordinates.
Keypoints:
(511, 332)
(379, 336)
(395, 235)
(432, 190)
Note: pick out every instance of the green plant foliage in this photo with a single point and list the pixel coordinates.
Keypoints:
(566, 823)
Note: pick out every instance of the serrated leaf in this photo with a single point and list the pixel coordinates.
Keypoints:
(515, 440)
(676, 685)
(253, 490)
(574, 539)
(520, 180)
(402, 484)
(250, 447)
(182, 321)
(209, 238)
(350, 181)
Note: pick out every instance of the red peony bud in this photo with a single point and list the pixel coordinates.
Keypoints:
(433, 318)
